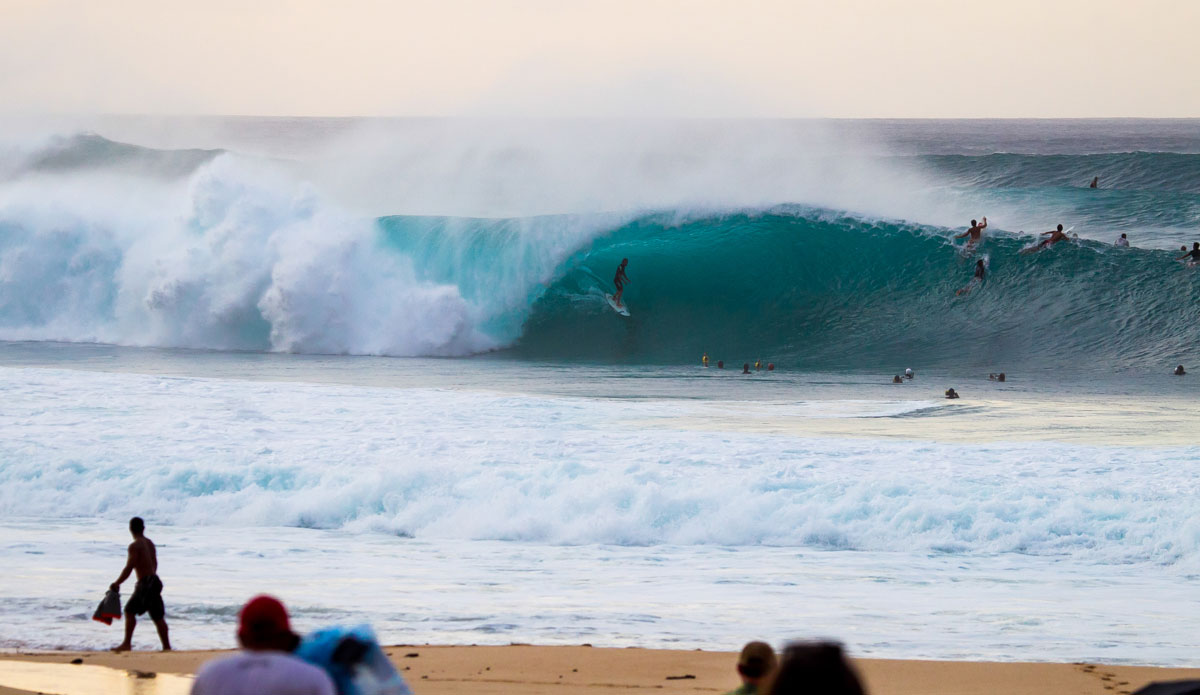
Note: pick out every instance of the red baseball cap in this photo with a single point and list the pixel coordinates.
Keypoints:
(263, 624)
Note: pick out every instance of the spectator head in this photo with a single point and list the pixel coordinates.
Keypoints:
(756, 662)
(814, 667)
(137, 526)
(263, 626)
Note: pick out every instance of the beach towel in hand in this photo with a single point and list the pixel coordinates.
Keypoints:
(109, 608)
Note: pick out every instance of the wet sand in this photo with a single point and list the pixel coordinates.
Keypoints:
(535, 670)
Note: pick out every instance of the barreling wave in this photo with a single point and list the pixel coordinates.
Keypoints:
(237, 256)
(832, 290)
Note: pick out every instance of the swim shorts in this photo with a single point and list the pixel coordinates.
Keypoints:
(147, 598)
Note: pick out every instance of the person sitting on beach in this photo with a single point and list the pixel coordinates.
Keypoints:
(266, 665)
(755, 665)
(818, 667)
(142, 558)
(1193, 255)
(1123, 241)
(975, 232)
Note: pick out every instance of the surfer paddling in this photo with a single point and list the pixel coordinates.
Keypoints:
(1054, 237)
(1193, 256)
(980, 277)
(975, 232)
(619, 281)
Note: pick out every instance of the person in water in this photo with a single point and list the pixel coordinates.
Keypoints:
(951, 393)
(980, 276)
(897, 380)
(909, 373)
(1095, 182)
(1054, 237)
(142, 559)
(1193, 256)
(1180, 371)
(1123, 241)
(619, 280)
(975, 232)
(704, 359)
(745, 368)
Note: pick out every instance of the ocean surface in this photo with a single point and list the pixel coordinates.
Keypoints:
(368, 366)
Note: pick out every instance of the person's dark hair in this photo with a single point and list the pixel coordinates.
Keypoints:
(1060, 227)
(1123, 236)
(624, 261)
(136, 525)
(814, 667)
(1196, 244)
(973, 223)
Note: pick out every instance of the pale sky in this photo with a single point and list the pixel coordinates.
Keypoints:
(691, 58)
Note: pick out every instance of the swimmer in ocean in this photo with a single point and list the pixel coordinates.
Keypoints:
(975, 232)
(1193, 255)
(980, 277)
(1123, 241)
(619, 281)
(1094, 183)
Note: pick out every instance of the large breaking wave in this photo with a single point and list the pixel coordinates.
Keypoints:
(206, 249)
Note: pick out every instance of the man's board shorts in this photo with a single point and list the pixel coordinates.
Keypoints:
(147, 598)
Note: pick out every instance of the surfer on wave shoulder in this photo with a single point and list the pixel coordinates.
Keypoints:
(975, 232)
(619, 281)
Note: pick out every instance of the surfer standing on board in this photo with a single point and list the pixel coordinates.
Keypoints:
(619, 281)
(975, 232)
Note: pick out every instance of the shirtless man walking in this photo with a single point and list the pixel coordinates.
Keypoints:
(147, 593)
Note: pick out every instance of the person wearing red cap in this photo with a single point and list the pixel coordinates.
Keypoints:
(266, 666)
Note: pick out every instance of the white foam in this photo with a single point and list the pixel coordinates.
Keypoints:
(439, 464)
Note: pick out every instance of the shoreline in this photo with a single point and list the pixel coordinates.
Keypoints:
(520, 669)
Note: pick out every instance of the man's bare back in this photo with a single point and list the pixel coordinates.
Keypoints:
(144, 558)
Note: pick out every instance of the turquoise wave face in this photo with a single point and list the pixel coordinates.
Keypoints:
(829, 291)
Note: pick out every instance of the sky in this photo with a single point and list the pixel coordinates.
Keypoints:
(613, 58)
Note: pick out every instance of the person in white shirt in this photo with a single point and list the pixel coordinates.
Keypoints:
(266, 665)
(1123, 241)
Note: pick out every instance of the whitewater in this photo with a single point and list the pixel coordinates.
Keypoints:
(374, 358)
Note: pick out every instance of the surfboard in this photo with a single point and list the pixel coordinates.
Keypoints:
(619, 308)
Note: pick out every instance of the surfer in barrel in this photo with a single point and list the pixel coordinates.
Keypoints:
(619, 281)
(975, 232)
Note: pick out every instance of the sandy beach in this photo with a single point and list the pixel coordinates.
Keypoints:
(529, 670)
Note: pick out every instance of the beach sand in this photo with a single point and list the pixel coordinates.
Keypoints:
(535, 670)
